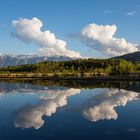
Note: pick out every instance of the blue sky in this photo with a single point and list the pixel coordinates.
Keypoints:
(63, 17)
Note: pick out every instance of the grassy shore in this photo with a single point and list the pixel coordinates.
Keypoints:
(70, 76)
(75, 69)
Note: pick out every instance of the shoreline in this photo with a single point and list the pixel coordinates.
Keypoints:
(22, 77)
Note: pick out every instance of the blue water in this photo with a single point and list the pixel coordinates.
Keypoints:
(53, 112)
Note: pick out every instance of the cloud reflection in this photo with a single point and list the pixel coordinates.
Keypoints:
(31, 115)
(103, 106)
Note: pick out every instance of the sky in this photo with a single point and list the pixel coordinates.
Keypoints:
(73, 28)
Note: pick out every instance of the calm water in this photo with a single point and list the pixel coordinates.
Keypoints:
(49, 110)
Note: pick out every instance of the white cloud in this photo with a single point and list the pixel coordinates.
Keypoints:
(31, 115)
(101, 38)
(131, 13)
(29, 30)
(103, 105)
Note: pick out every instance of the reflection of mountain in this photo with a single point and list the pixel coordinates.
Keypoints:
(103, 106)
(31, 115)
(23, 88)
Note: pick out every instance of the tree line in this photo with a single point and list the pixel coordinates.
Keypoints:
(81, 66)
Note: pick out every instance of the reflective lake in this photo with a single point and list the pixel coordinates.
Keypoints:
(69, 109)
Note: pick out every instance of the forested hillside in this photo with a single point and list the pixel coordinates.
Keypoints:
(132, 57)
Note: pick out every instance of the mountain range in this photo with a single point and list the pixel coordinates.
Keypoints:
(13, 60)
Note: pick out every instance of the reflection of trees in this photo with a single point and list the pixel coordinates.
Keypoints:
(33, 84)
(31, 115)
(103, 106)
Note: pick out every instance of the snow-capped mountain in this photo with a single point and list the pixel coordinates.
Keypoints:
(13, 60)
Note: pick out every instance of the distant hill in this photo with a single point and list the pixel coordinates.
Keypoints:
(133, 57)
(11, 60)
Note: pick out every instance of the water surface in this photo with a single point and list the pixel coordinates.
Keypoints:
(69, 109)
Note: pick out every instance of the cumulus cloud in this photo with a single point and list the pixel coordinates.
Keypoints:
(103, 105)
(29, 30)
(131, 13)
(31, 115)
(101, 38)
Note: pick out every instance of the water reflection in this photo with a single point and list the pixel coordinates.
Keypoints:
(97, 107)
(102, 106)
(31, 115)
